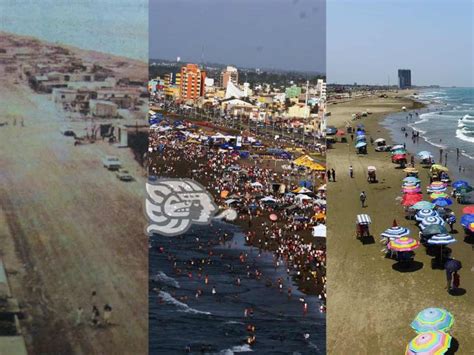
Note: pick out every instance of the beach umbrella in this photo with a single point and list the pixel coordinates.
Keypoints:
(399, 157)
(441, 239)
(424, 154)
(395, 232)
(423, 205)
(432, 319)
(398, 152)
(273, 217)
(379, 140)
(434, 229)
(467, 219)
(410, 170)
(423, 213)
(360, 133)
(411, 189)
(403, 244)
(411, 199)
(361, 139)
(429, 343)
(436, 186)
(442, 202)
(460, 183)
(360, 144)
(436, 195)
(397, 146)
(464, 189)
(431, 220)
(439, 167)
(411, 179)
(468, 209)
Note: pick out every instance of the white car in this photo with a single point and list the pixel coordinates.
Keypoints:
(111, 162)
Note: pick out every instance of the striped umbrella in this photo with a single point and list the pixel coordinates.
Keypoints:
(411, 179)
(441, 239)
(436, 195)
(442, 201)
(423, 205)
(422, 214)
(411, 189)
(429, 343)
(436, 186)
(403, 244)
(431, 220)
(395, 232)
(432, 319)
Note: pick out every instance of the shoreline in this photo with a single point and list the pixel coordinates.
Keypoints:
(359, 275)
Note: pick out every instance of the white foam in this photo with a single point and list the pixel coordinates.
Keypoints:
(236, 349)
(163, 278)
(182, 307)
(461, 134)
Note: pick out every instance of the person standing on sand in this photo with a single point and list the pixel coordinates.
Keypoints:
(363, 198)
(333, 175)
(107, 314)
(351, 171)
(79, 312)
(329, 175)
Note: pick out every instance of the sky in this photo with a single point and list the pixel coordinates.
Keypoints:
(279, 34)
(369, 40)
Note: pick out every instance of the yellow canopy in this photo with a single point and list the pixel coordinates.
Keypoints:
(437, 167)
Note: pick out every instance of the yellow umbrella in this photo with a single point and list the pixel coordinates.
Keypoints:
(437, 167)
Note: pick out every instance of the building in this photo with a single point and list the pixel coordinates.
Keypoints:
(229, 74)
(293, 92)
(404, 78)
(192, 82)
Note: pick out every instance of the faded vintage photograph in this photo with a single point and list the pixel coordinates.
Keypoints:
(73, 103)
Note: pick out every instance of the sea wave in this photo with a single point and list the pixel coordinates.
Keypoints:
(461, 134)
(182, 307)
(236, 349)
(165, 279)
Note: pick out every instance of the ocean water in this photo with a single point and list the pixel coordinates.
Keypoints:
(215, 324)
(448, 123)
(117, 27)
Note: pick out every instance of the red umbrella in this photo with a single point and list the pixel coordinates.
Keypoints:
(468, 209)
(399, 157)
(410, 200)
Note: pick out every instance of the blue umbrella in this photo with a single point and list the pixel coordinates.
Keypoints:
(442, 201)
(411, 179)
(361, 138)
(467, 219)
(453, 265)
(360, 144)
(360, 133)
(433, 230)
(431, 319)
(422, 214)
(441, 239)
(460, 183)
(395, 232)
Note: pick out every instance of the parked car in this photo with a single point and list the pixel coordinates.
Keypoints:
(124, 175)
(112, 162)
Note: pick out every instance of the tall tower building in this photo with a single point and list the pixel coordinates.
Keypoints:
(192, 82)
(404, 78)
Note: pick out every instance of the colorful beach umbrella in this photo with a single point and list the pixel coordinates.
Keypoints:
(460, 183)
(466, 220)
(360, 144)
(436, 186)
(423, 205)
(397, 147)
(423, 213)
(403, 244)
(411, 179)
(410, 170)
(468, 209)
(432, 319)
(441, 239)
(395, 232)
(442, 201)
(428, 221)
(464, 189)
(411, 189)
(411, 199)
(436, 195)
(429, 343)
(361, 138)
(434, 229)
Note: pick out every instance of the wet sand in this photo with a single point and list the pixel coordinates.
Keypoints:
(67, 227)
(370, 303)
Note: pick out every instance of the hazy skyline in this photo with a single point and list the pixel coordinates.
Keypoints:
(369, 40)
(279, 34)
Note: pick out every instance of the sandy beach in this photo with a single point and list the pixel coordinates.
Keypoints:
(370, 303)
(68, 227)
